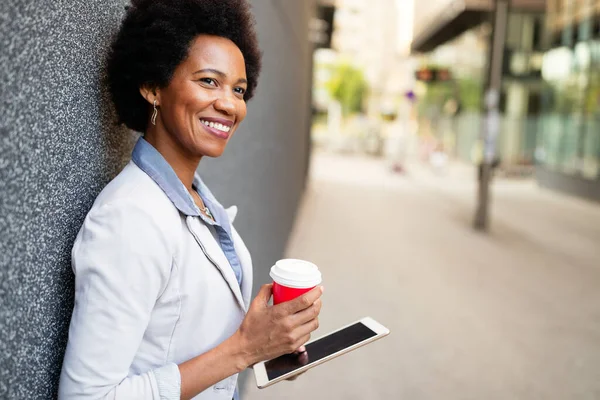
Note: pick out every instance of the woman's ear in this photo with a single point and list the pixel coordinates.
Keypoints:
(150, 94)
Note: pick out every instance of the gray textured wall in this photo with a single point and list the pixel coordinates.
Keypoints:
(59, 147)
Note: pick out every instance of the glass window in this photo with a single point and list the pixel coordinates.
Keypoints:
(591, 141)
(569, 139)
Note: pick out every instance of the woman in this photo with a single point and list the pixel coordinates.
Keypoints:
(162, 279)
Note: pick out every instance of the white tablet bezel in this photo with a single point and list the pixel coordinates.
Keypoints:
(260, 372)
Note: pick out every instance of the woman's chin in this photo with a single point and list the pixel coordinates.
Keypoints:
(213, 152)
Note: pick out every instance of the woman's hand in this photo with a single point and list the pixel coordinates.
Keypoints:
(266, 332)
(270, 331)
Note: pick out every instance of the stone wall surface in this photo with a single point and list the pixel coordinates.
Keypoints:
(59, 146)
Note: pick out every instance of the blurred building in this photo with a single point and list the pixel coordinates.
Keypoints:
(569, 136)
(550, 91)
(369, 35)
(455, 34)
(364, 34)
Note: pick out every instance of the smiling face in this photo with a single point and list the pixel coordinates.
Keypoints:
(203, 104)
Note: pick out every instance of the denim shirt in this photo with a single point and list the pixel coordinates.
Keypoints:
(149, 160)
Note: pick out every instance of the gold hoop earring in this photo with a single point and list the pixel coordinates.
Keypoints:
(154, 114)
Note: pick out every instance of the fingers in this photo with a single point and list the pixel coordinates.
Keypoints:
(305, 301)
(302, 333)
(264, 294)
(299, 336)
(303, 339)
(308, 314)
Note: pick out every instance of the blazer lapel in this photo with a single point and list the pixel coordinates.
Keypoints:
(215, 255)
(244, 257)
(246, 262)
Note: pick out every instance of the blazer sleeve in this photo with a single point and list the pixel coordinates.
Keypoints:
(122, 263)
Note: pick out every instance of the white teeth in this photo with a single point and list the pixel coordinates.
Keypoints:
(216, 125)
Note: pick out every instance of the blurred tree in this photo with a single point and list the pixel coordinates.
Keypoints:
(349, 87)
(436, 94)
(466, 91)
(470, 91)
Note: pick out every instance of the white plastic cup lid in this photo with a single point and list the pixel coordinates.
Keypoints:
(297, 274)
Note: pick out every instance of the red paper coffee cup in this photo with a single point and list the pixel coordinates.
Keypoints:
(292, 278)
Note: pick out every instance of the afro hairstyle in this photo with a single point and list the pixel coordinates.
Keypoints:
(154, 39)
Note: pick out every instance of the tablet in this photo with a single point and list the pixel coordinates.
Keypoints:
(318, 351)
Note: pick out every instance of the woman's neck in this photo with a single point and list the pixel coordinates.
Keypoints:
(182, 163)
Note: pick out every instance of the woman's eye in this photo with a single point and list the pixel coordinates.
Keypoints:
(208, 81)
(240, 90)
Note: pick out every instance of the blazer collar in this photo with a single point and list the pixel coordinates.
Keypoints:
(149, 160)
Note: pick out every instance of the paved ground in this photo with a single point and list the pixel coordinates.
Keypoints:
(514, 314)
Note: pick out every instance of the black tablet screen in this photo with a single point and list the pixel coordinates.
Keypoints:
(319, 349)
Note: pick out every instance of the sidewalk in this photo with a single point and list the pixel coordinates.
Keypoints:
(514, 314)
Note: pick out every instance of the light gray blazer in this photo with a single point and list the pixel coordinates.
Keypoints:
(152, 289)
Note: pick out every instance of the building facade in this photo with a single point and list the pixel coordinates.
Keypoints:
(455, 34)
(569, 136)
(551, 84)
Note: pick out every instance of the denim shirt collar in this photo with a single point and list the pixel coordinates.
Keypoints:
(149, 160)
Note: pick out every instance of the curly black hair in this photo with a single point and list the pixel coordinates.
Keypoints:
(154, 39)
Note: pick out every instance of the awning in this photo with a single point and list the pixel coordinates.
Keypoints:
(460, 16)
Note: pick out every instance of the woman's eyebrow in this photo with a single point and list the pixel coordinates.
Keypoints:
(220, 73)
(212, 70)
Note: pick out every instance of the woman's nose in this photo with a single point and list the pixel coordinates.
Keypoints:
(225, 104)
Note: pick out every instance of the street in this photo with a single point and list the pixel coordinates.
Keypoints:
(512, 314)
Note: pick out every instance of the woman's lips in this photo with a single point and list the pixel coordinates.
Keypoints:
(217, 127)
